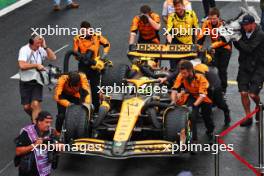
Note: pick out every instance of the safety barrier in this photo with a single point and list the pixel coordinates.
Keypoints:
(259, 170)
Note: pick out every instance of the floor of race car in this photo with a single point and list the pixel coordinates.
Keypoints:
(114, 17)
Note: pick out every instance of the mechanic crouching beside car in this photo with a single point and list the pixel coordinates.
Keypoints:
(30, 61)
(30, 160)
(72, 88)
(194, 86)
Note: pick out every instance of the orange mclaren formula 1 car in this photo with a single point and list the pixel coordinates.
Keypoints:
(137, 121)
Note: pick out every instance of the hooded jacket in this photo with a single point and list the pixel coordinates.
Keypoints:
(251, 52)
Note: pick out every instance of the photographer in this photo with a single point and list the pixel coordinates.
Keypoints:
(250, 76)
(30, 61)
(29, 159)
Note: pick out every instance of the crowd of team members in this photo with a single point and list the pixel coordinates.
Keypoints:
(74, 87)
(177, 16)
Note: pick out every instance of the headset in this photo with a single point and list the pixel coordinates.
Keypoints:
(31, 40)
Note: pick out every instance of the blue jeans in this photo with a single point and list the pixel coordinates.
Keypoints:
(262, 20)
(57, 2)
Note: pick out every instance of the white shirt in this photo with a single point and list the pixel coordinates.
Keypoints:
(32, 57)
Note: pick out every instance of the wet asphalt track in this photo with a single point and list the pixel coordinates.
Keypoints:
(114, 18)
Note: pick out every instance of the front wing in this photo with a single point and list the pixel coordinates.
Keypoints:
(121, 150)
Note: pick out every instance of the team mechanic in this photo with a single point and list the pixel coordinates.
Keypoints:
(196, 86)
(31, 57)
(182, 22)
(89, 45)
(168, 8)
(72, 88)
(214, 91)
(147, 24)
(222, 49)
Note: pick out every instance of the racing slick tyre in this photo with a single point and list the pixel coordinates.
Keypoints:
(176, 124)
(76, 123)
(114, 74)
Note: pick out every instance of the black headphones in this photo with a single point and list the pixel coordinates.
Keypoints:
(31, 40)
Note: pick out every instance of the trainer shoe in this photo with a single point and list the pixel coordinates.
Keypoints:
(56, 8)
(72, 6)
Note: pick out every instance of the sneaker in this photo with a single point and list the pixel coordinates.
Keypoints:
(56, 8)
(72, 6)
(246, 123)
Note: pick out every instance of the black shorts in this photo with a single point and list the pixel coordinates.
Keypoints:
(30, 91)
(250, 83)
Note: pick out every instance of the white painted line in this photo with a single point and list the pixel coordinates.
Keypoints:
(13, 6)
(7, 166)
(58, 50)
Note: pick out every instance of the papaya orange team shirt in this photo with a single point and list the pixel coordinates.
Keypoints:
(216, 42)
(80, 44)
(63, 87)
(198, 86)
(146, 31)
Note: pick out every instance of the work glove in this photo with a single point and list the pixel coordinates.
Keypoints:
(104, 56)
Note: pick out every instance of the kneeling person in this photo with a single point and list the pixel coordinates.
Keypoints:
(196, 85)
(71, 89)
